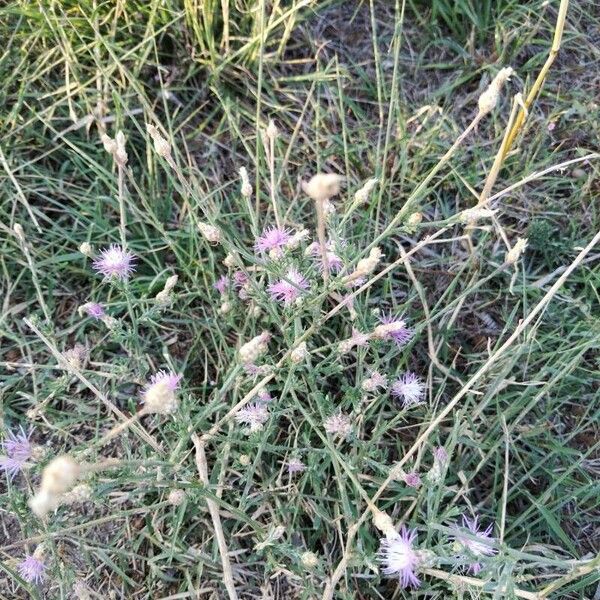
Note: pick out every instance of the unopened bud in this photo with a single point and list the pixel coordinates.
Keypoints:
(362, 195)
(272, 131)
(299, 354)
(246, 187)
(86, 249)
(176, 497)
(161, 146)
(513, 255)
(210, 233)
(19, 232)
(309, 560)
(489, 98)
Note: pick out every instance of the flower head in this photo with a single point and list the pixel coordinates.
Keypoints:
(412, 479)
(288, 290)
(31, 569)
(18, 450)
(375, 381)
(295, 465)
(475, 547)
(115, 263)
(159, 395)
(333, 260)
(221, 284)
(358, 339)
(338, 424)
(398, 557)
(272, 239)
(409, 388)
(254, 416)
(92, 309)
(395, 329)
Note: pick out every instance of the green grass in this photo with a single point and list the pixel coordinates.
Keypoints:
(346, 85)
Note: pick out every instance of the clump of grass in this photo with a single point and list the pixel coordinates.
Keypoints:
(287, 345)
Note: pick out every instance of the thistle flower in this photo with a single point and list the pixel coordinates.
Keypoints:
(295, 465)
(398, 557)
(254, 416)
(273, 240)
(221, 284)
(375, 381)
(409, 388)
(333, 260)
(159, 395)
(256, 370)
(412, 479)
(322, 186)
(18, 450)
(32, 569)
(288, 290)
(440, 458)
(395, 329)
(476, 548)
(264, 397)
(338, 425)
(358, 339)
(92, 309)
(76, 356)
(440, 455)
(255, 348)
(115, 263)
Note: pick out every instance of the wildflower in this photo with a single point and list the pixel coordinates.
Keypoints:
(299, 353)
(76, 356)
(264, 397)
(295, 465)
(254, 415)
(18, 450)
(475, 547)
(399, 558)
(309, 559)
(58, 477)
(255, 370)
(393, 329)
(176, 497)
(412, 479)
(92, 309)
(159, 395)
(32, 569)
(440, 455)
(333, 260)
(410, 388)
(365, 266)
(246, 188)
(161, 146)
(86, 249)
(255, 348)
(221, 284)
(272, 240)
(513, 255)
(358, 339)
(115, 263)
(489, 98)
(288, 290)
(362, 195)
(322, 186)
(375, 381)
(338, 424)
(209, 232)
(240, 279)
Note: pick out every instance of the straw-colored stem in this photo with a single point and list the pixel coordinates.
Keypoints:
(322, 238)
(121, 192)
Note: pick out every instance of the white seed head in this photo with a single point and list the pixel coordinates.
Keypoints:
(255, 348)
(297, 239)
(58, 477)
(309, 559)
(244, 460)
(176, 497)
(161, 146)
(109, 144)
(225, 308)
(513, 255)
(86, 249)
(229, 261)
(161, 398)
(322, 186)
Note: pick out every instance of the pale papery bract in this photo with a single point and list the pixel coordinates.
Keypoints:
(401, 334)
(115, 263)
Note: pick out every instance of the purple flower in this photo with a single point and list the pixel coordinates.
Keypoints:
(333, 260)
(115, 263)
(273, 239)
(18, 450)
(440, 455)
(264, 397)
(398, 557)
(221, 284)
(475, 547)
(409, 388)
(240, 279)
(31, 569)
(254, 415)
(295, 465)
(395, 329)
(338, 424)
(94, 310)
(171, 379)
(412, 479)
(288, 290)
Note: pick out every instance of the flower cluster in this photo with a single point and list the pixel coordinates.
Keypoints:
(17, 450)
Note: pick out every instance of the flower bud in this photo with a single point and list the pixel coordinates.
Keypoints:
(513, 255)
(161, 146)
(210, 233)
(86, 249)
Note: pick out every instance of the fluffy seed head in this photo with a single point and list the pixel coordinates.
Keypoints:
(322, 186)
(375, 381)
(58, 477)
(409, 388)
(338, 425)
(176, 497)
(309, 559)
(299, 353)
(160, 396)
(295, 465)
(115, 263)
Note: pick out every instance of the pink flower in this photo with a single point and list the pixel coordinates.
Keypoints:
(288, 290)
(409, 388)
(264, 397)
(115, 263)
(412, 479)
(240, 279)
(475, 547)
(358, 339)
(295, 465)
(254, 416)
(94, 310)
(18, 451)
(171, 379)
(338, 424)
(31, 569)
(440, 455)
(333, 260)
(398, 557)
(272, 239)
(396, 330)
(221, 284)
